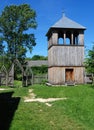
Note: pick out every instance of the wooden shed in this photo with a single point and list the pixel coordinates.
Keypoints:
(65, 52)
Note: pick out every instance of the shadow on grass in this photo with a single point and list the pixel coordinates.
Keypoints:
(8, 106)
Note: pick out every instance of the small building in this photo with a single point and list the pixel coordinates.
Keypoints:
(66, 52)
(38, 63)
(39, 70)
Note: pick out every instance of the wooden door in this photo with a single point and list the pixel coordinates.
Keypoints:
(69, 75)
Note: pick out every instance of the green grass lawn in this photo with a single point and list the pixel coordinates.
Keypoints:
(74, 113)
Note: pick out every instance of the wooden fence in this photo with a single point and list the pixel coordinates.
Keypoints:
(39, 79)
(89, 78)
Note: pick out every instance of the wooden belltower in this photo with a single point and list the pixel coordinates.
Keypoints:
(65, 52)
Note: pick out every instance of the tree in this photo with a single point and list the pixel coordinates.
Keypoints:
(1, 47)
(15, 21)
(90, 61)
(38, 57)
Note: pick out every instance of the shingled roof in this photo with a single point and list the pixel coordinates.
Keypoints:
(66, 23)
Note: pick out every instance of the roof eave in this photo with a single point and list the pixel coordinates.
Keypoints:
(84, 28)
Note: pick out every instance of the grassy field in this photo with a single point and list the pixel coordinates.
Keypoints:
(74, 113)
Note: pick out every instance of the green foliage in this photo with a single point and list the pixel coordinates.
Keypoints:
(15, 21)
(40, 69)
(1, 46)
(28, 58)
(90, 61)
(5, 61)
(38, 57)
(17, 84)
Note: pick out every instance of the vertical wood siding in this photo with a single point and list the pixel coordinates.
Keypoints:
(66, 56)
(56, 75)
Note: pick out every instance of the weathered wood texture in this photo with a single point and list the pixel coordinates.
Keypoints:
(66, 52)
(66, 56)
(39, 79)
(57, 75)
(7, 76)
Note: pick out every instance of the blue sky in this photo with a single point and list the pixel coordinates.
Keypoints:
(50, 11)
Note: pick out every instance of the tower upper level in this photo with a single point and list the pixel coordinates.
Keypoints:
(71, 32)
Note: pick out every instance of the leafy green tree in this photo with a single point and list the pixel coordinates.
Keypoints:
(90, 61)
(15, 21)
(40, 69)
(38, 57)
(5, 61)
(1, 47)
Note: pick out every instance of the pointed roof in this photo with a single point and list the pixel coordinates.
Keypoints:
(67, 23)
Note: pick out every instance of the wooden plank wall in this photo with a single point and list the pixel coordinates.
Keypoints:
(66, 56)
(79, 75)
(56, 75)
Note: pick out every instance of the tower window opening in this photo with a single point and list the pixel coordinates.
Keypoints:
(60, 40)
(67, 41)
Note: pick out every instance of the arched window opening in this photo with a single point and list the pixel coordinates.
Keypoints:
(67, 41)
(68, 38)
(60, 40)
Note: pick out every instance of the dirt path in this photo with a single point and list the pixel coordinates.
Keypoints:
(31, 98)
(1, 89)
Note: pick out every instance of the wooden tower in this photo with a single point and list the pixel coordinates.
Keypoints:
(65, 52)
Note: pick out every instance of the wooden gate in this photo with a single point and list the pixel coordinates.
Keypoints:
(7, 77)
(3, 76)
(27, 77)
(11, 76)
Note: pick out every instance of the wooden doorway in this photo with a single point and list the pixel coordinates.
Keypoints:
(69, 75)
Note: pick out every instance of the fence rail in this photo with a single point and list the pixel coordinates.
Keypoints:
(89, 78)
(38, 79)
